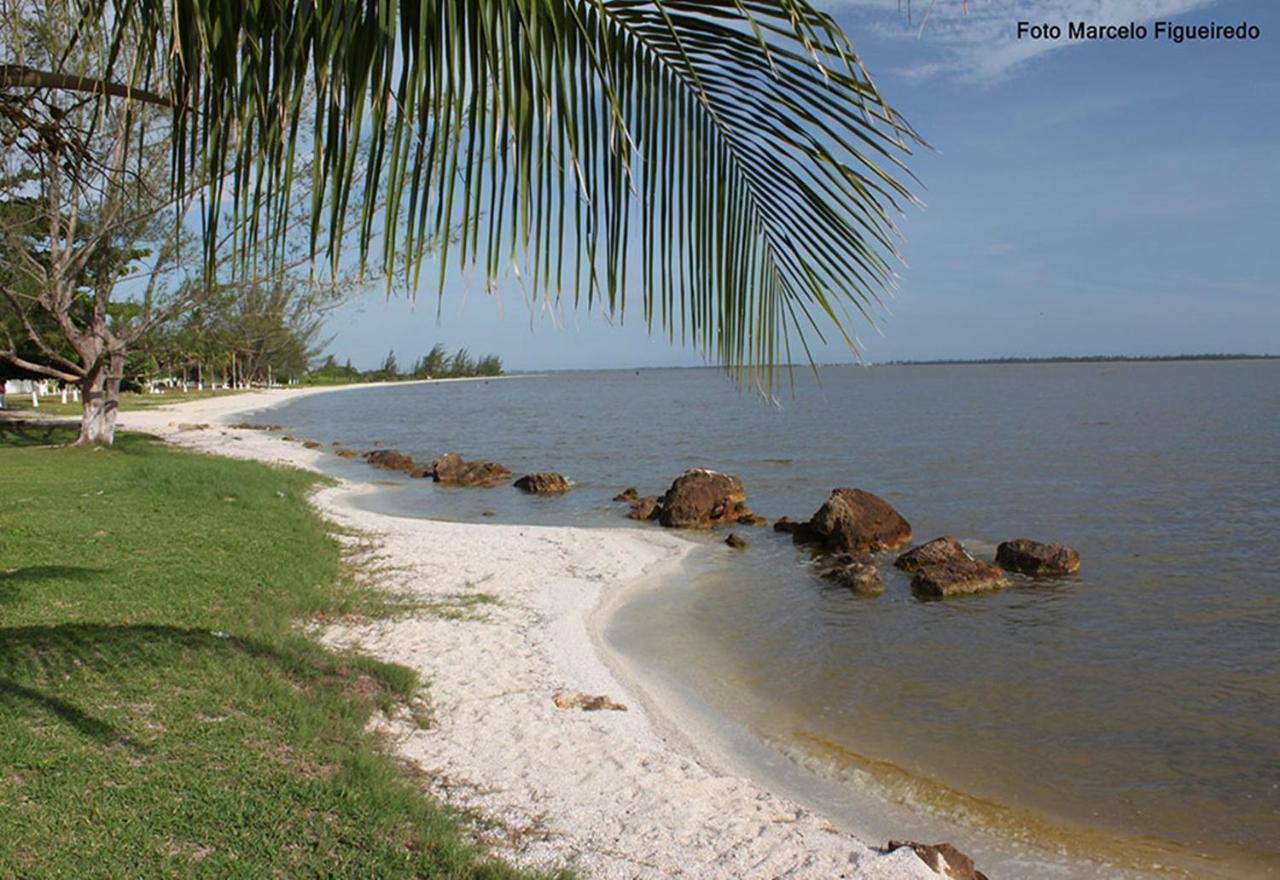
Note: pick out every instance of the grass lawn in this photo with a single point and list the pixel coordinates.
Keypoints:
(52, 405)
(161, 714)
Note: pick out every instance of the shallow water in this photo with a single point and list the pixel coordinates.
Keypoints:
(1134, 706)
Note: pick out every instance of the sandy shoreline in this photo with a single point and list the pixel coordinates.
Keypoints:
(610, 794)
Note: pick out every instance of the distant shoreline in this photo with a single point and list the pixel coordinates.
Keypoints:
(1080, 359)
(1083, 359)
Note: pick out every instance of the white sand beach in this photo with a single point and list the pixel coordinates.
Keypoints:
(611, 794)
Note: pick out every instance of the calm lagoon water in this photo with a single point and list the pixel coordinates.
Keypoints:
(1132, 710)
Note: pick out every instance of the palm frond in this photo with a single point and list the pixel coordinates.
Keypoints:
(729, 160)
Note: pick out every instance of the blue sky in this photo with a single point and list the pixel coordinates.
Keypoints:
(1081, 199)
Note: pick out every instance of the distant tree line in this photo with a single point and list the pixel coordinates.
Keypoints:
(435, 364)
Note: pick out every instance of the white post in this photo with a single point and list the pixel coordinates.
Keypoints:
(64, 393)
(75, 394)
(35, 398)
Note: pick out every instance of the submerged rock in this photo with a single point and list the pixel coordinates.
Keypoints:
(943, 859)
(344, 452)
(254, 426)
(543, 483)
(311, 444)
(800, 532)
(629, 495)
(858, 573)
(701, 499)
(944, 549)
(1038, 560)
(644, 508)
(735, 542)
(452, 470)
(392, 460)
(957, 577)
(858, 522)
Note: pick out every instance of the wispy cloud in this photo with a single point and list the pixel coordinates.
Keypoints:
(977, 39)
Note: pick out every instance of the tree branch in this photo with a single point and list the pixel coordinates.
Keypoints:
(18, 76)
(42, 369)
(34, 335)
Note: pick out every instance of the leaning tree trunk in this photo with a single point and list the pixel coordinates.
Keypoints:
(100, 391)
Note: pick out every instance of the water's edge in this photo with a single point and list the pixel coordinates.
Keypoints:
(822, 768)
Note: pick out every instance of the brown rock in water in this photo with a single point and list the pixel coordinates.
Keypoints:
(586, 702)
(857, 522)
(254, 426)
(957, 578)
(344, 452)
(1038, 560)
(753, 519)
(800, 532)
(544, 483)
(858, 573)
(644, 508)
(311, 444)
(701, 499)
(188, 426)
(735, 542)
(391, 460)
(629, 495)
(451, 470)
(943, 859)
(944, 549)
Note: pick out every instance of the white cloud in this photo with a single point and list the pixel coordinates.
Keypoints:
(977, 39)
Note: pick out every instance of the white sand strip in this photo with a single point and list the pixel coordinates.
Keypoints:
(603, 792)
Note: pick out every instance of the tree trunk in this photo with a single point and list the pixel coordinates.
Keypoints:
(101, 398)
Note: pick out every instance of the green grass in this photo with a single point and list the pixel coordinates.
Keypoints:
(161, 712)
(53, 405)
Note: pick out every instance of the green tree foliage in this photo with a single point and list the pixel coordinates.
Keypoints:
(436, 364)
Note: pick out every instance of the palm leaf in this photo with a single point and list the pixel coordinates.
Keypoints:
(728, 160)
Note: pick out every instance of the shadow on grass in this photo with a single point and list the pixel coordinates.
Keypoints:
(16, 432)
(13, 579)
(20, 433)
(66, 652)
(13, 696)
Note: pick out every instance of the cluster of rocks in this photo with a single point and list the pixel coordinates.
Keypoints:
(849, 526)
(451, 469)
(943, 567)
(394, 460)
(845, 532)
(697, 499)
(255, 426)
